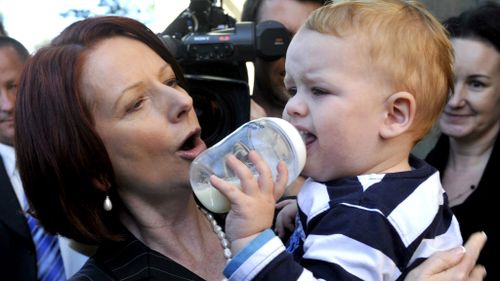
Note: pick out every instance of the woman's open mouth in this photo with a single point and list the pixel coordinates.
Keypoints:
(192, 146)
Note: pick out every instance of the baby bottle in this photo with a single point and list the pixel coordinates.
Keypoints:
(273, 138)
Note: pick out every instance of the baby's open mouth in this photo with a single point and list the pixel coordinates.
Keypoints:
(307, 137)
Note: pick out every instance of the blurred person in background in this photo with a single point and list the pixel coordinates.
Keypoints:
(269, 95)
(2, 29)
(19, 247)
(468, 152)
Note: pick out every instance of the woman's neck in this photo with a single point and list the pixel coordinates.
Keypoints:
(465, 152)
(180, 231)
(466, 163)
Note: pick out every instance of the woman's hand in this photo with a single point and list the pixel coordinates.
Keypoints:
(458, 264)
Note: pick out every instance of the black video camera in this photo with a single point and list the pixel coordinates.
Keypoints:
(212, 50)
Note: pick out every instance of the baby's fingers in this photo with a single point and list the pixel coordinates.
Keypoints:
(265, 174)
(248, 180)
(232, 192)
(284, 222)
(283, 203)
(281, 180)
(279, 227)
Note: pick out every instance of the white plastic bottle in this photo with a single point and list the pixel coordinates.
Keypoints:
(273, 138)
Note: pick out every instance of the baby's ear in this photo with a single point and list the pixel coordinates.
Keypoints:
(400, 112)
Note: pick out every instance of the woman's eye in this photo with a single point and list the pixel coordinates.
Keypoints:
(171, 83)
(135, 106)
(476, 84)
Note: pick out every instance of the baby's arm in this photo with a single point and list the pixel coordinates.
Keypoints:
(252, 206)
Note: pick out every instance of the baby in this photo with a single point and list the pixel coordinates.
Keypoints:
(368, 79)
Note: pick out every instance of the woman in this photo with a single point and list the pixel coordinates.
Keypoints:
(105, 136)
(468, 152)
(115, 127)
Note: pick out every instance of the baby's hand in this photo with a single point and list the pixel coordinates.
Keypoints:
(285, 220)
(252, 206)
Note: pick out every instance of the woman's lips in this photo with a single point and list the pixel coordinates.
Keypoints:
(456, 117)
(191, 153)
(458, 114)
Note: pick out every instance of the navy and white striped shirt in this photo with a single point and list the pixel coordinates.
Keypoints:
(370, 227)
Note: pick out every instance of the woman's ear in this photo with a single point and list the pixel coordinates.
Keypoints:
(101, 184)
(400, 113)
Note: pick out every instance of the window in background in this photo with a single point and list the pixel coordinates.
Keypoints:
(35, 23)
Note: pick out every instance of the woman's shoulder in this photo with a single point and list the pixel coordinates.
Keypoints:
(90, 272)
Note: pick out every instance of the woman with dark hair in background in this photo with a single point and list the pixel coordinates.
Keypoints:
(468, 152)
(105, 134)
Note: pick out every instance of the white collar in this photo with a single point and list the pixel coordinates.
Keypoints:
(9, 158)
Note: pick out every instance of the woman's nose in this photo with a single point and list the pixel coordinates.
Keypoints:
(181, 105)
(457, 98)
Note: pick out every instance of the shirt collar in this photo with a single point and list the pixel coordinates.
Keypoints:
(9, 158)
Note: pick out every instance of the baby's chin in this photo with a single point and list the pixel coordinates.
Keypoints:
(314, 175)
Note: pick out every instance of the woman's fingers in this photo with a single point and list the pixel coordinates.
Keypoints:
(473, 247)
(455, 264)
(478, 273)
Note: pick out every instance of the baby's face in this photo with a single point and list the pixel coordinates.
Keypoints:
(336, 102)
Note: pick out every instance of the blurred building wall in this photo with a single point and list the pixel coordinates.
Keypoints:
(443, 9)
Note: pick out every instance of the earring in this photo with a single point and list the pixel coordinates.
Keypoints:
(107, 204)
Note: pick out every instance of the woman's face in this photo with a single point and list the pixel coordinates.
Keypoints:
(145, 119)
(474, 108)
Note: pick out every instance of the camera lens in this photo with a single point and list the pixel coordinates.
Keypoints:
(214, 115)
(221, 104)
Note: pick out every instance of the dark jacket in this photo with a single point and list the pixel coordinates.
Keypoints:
(478, 211)
(17, 251)
(131, 260)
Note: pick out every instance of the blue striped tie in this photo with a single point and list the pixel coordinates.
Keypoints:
(50, 264)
